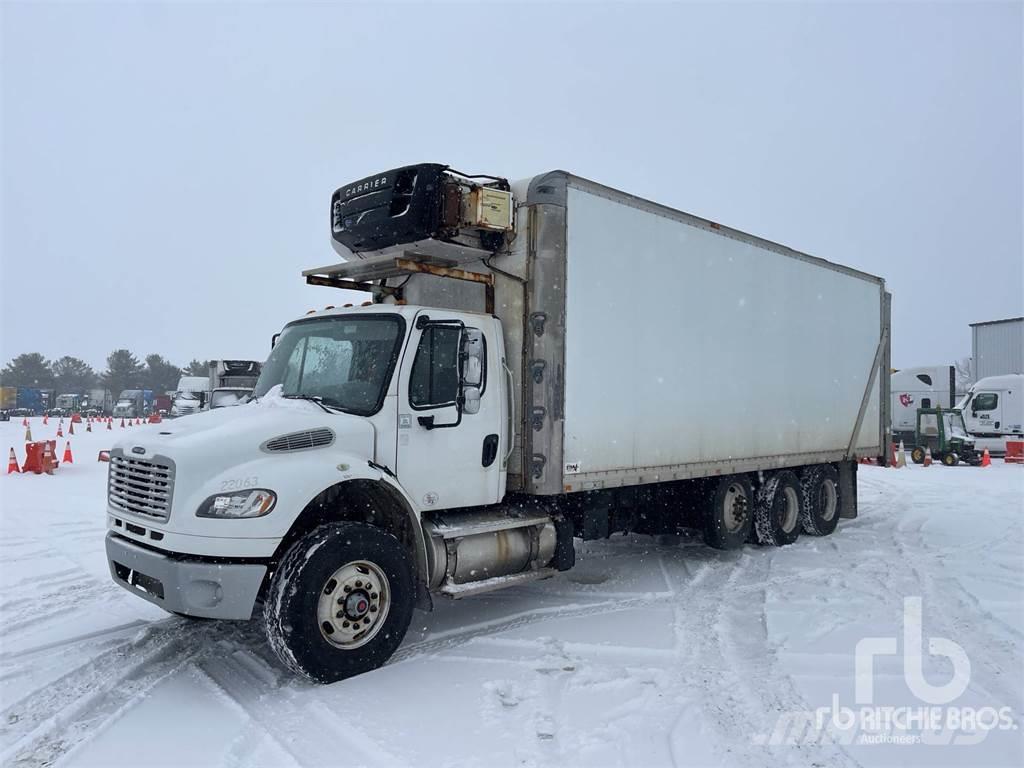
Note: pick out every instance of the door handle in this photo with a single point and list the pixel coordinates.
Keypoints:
(490, 452)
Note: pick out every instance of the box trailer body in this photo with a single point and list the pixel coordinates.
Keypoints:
(31, 399)
(536, 362)
(639, 331)
(924, 387)
(8, 398)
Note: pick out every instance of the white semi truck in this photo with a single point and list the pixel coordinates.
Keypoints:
(912, 388)
(993, 411)
(535, 363)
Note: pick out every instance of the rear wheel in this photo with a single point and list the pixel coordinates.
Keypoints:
(728, 514)
(341, 601)
(917, 455)
(777, 508)
(821, 507)
(950, 459)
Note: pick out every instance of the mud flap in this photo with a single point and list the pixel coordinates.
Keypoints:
(848, 489)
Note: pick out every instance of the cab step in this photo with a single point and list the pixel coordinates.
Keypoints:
(457, 591)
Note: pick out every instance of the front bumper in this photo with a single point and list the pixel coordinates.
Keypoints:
(193, 587)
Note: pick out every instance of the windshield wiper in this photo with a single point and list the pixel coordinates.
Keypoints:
(316, 399)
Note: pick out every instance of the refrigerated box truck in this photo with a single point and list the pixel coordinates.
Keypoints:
(534, 363)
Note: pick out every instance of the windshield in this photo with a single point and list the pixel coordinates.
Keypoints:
(344, 360)
(955, 425)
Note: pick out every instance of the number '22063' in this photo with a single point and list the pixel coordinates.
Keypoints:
(239, 483)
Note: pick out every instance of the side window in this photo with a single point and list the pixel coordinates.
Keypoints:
(926, 402)
(434, 380)
(924, 378)
(985, 401)
(929, 424)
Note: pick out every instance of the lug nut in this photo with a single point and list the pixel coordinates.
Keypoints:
(348, 588)
(373, 595)
(359, 584)
(344, 625)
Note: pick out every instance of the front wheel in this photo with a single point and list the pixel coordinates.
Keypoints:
(950, 459)
(917, 455)
(340, 602)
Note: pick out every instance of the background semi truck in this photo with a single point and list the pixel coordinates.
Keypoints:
(232, 381)
(924, 387)
(133, 403)
(535, 363)
(191, 395)
(993, 411)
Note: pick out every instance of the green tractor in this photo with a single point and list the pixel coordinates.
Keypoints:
(943, 431)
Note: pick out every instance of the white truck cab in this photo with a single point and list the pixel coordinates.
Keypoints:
(993, 411)
(500, 395)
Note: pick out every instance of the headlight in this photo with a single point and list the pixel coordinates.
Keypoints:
(255, 503)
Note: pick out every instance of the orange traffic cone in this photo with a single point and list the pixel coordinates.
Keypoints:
(137, 421)
(71, 428)
(12, 464)
(60, 430)
(110, 423)
(28, 434)
(901, 456)
(122, 422)
(24, 421)
(986, 460)
(88, 426)
(928, 456)
(67, 453)
(46, 420)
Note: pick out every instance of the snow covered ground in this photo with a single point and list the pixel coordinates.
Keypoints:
(648, 653)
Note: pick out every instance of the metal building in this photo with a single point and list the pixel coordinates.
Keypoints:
(998, 347)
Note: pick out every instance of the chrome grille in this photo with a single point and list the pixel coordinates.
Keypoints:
(300, 441)
(141, 487)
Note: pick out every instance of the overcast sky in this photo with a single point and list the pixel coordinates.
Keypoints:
(167, 168)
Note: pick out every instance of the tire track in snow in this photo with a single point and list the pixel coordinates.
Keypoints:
(70, 711)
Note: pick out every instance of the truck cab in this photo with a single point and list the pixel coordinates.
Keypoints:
(993, 411)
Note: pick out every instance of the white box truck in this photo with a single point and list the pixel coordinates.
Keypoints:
(535, 363)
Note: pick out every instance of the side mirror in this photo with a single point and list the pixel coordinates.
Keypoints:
(273, 340)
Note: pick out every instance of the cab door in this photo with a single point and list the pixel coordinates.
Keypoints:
(451, 455)
(985, 411)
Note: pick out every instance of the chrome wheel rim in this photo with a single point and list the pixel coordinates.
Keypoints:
(790, 509)
(734, 507)
(829, 500)
(353, 604)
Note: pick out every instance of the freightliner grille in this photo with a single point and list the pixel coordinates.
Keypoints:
(141, 486)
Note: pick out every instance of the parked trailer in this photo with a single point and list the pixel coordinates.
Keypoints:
(912, 388)
(538, 362)
(8, 398)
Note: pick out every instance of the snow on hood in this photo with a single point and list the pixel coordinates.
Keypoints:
(243, 428)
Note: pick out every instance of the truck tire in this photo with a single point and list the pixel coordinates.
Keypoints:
(777, 510)
(340, 602)
(917, 455)
(950, 459)
(821, 507)
(729, 513)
